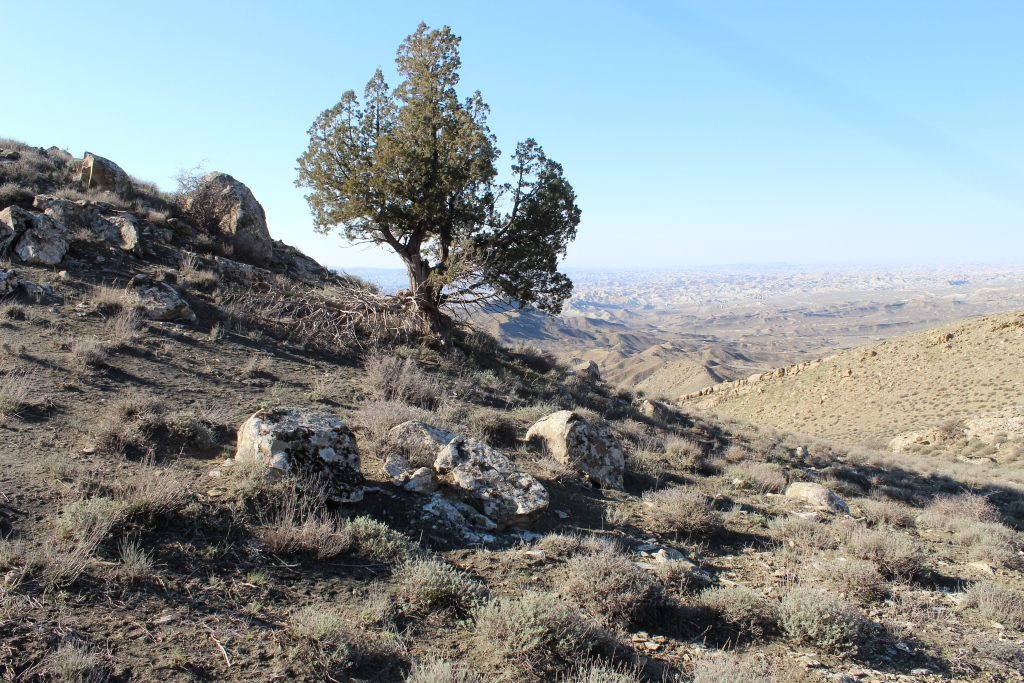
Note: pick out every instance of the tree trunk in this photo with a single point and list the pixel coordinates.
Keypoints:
(427, 297)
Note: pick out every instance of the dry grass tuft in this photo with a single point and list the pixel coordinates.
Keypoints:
(325, 387)
(599, 672)
(87, 353)
(153, 493)
(294, 529)
(395, 379)
(682, 509)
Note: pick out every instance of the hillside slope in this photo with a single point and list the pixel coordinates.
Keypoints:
(916, 383)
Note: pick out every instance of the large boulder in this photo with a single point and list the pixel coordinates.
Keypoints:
(159, 300)
(419, 443)
(240, 219)
(298, 265)
(35, 238)
(817, 496)
(574, 442)
(585, 369)
(309, 443)
(99, 173)
(486, 479)
(73, 214)
(120, 230)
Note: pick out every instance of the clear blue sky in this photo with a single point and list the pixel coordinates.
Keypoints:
(694, 133)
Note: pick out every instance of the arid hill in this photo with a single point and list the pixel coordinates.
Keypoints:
(212, 469)
(947, 379)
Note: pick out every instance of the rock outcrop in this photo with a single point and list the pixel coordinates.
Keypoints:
(34, 238)
(419, 443)
(485, 478)
(99, 173)
(159, 300)
(574, 442)
(306, 442)
(817, 496)
(8, 282)
(585, 369)
(240, 219)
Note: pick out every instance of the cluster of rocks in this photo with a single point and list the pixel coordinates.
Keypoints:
(745, 386)
(470, 483)
(10, 284)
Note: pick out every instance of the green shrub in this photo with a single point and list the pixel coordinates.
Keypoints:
(725, 669)
(377, 541)
(323, 641)
(811, 615)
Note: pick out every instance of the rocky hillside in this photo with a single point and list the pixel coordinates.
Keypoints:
(219, 462)
(961, 383)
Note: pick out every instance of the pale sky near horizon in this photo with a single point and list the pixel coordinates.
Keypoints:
(694, 133)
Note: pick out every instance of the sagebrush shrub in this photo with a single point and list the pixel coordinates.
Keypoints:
(397, 379)
(610, 587)
(895, 554)
(945, 511)
(747, 611)
(430, 585)
(810, 615)
(532, 629)
(684, 509)
(996, 602)
(802, 534)
(600, 672)
(856, 580)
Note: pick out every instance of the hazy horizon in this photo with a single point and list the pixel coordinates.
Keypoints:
(692, 133)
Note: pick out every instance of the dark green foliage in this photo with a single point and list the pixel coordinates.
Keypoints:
(414, 169)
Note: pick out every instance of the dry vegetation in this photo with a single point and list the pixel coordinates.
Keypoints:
(132, 547)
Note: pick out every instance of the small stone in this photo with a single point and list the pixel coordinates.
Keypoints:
(561, 514)
(215, 473)
(651, 646)
(920, 672)
(89, 450)
(741, 484)
(987, 568)
(640, 637)
(667, 554)
(215, 492)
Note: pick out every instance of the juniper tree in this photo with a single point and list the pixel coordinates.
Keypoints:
(414, 168)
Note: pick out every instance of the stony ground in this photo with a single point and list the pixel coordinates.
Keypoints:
(190, 572)
(133, 547)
